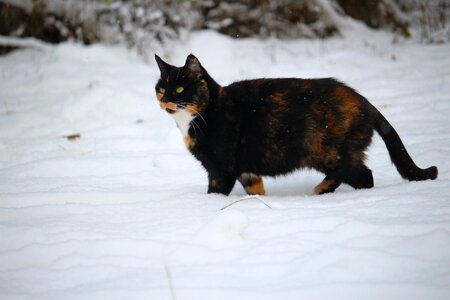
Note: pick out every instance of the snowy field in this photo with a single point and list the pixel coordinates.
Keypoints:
(121, 211)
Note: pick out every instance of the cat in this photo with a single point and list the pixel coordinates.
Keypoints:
(271, 127)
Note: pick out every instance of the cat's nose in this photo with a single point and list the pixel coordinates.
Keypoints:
(164, 100)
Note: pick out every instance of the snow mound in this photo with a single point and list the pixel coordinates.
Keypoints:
(225, 230)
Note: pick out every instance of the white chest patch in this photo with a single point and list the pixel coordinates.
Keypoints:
(183, 119)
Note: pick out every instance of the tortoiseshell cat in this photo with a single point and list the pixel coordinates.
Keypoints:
(270, 127)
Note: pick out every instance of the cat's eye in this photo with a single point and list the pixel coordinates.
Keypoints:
(161, 91)
(179, 89)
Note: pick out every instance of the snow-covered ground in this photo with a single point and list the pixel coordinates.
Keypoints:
(122, 212)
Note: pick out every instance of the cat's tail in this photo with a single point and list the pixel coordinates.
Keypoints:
(399, 156)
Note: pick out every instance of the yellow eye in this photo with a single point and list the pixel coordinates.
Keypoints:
(179, 89)
(161, 90)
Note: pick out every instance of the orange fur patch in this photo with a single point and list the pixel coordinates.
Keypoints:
(256, 187)
(349, 107)
(169, 105)
(192, 109)
(317, 151)
(344, 94)
(323, 186)
(159, 96)
(323, 142)
(279, 98)
(357, 157)
(189, 142)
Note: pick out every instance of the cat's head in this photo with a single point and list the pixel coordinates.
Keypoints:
(182, 88)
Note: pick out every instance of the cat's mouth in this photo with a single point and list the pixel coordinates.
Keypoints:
(170, 107)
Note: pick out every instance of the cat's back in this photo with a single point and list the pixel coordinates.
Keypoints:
(296, 103)
(290, 88)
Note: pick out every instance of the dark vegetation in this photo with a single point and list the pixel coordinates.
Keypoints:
(143, 23)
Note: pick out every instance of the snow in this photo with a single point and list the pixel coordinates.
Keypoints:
(122, 211)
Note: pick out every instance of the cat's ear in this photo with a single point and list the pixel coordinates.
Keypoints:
(163, 66)
(193, 65)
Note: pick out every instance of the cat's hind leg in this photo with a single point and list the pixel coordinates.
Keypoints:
(253, 184)
(328, 185)
(358, 176)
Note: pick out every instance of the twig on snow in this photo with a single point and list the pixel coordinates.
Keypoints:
(257, 197)
(169, 279)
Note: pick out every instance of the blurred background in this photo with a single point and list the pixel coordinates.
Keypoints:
(148, 24)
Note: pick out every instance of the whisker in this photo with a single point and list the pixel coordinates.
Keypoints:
(197, 113)
(199, 128)
(193, 126)
(204, 121)
(184, 105)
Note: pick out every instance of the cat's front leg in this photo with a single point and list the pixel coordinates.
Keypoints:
(220, 183)
(253, 184)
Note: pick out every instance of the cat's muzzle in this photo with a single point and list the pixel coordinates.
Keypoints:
(168, 106)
